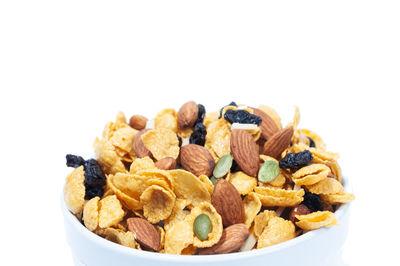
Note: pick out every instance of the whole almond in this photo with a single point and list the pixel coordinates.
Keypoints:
(231, 240)
(268, 125)
(187, 114)
(228, 203)
(167, 163)
(245, 151)
(278, 142)
(138, 122)
(138, 146)
(197, 160)
(145, 233)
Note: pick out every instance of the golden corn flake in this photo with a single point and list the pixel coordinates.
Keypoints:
(189, 250)
(336, 171)
(167, 119)
(218, 138)
(188, 186)
(271, 197)
(161, 232)
(111, 212)
(207, 183)
(107, 157)
(272, 113)
(210, 117)
(156, 173)
(261, 221)
(242, 182)
(252, 206)
(310, 174)
(216, 224)
(129, 201)
(123, 138)
(326, 186)
(277, 230)
(178, 213)
(296, 117)
(161, 143)
(339, 198)
(178, 237)
(74, 190)
(319, 143)
(321, 156)
(91, 214)
(316, 220)
(126, 239)
(142, 164)
(185, 133)
(157, 203)
(132, 185)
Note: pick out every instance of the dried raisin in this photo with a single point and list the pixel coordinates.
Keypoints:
(312, 143)
(74, 160)
(220, 111)
(180, 140)
(296, 160)
(312, 201)
(199, 135)
(202, 113)
(242, 117)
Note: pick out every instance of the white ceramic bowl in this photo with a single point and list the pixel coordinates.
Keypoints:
(321, 247)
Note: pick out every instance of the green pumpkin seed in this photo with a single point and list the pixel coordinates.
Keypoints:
(268, 171)
(223, 165)
(202, 226)
(213, 180)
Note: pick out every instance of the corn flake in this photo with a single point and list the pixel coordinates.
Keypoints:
(142, 164)
(178, 213)
(111, 212)
(326, 186)
(161, 143)
(129, 201)
(252, 206)
(242, 182)
(167, 119)
(126, 239)
(157, 203)
(178, 237)
(91, 214)
(339, 198)
(316, 220)
(207, 183)
(107, 157)
(74, 190)
(271, 197)
(273, 114)
(310, 174)
(218, 138)
(261, 221)
(277, 230)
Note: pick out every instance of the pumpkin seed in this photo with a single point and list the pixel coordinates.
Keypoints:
(202, 226)
(223, 165)
(268, 171)
(213, 180)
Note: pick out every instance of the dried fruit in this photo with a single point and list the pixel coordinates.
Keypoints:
(231, 240)
(241, 117)
(312, 143)
(145, 233)
(198, 136)
(187, 114)
(268, 171)
(222, 109)
(202, 226)
(228, 203)
(201, 113)
(296, 160)
(95, 179)
(197, 160)
(245, 151)
(312, 201)
(74, 160)
(138, 122)
(223, 165)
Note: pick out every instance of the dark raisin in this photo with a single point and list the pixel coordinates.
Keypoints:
(220, 111)
(74, 160)
(202, 113)
(199, 135)
(235, 167)
(296, 160)
(312, 201)
(94, 175)
(312, 143)
(242, 117)
(92, 192)
(180, 140)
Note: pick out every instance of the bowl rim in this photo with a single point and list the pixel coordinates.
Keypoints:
(162, 257)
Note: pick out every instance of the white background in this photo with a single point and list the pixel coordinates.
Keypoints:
(67, 67)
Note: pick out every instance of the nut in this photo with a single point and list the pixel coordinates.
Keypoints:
(278, 142)
(138, 122)
(197, 160)
(245, 151)
(231, 240)
(268, 125)
(167, 163)
(145, 233)
(138, 146)
(187, 115)
(300, 209)
(228, 203)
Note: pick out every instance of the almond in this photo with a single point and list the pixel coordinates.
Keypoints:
(278, 142)
(231, 240)
(197, 160)
(245, 151)
(138, 146)
(138, 122)
(268, 125)
(167, 163)
(228, 203)
(187, 114)
(145, 233)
